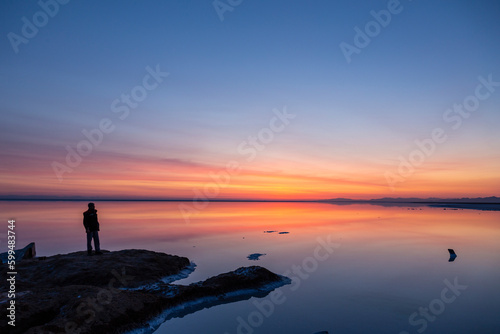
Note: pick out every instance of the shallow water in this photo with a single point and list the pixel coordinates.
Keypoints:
(355, 268)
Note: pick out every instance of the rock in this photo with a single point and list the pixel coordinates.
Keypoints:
(119, 291)
(255, 256)
(27, 252)
(79, 269)
(453, 255)
(240, 284)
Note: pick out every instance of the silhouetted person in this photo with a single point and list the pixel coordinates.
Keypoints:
(92, 228)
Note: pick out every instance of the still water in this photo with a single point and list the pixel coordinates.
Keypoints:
(355, 268)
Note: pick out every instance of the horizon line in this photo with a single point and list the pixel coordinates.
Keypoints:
(350, 200)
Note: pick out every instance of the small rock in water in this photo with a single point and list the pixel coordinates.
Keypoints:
(255, 256)
(453, 255)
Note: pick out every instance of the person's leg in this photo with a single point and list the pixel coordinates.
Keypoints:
(96, 242)
(89, 243)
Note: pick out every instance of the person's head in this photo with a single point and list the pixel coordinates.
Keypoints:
(91, 206)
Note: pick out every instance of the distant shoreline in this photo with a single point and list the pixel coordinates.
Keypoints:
(478, 200)
(490, 204)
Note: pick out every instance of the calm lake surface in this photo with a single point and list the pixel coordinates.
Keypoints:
(355, 268)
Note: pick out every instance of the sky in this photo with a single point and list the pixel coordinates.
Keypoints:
(244, 99)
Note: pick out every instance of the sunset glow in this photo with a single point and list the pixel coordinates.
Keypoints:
(181, 102)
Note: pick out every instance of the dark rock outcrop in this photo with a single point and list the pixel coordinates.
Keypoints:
(119, 291)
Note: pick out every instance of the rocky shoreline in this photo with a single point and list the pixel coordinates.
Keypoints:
(120, 292)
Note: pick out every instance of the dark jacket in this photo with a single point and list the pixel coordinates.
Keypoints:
(90, 220)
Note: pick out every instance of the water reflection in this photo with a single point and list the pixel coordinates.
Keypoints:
(389, 264)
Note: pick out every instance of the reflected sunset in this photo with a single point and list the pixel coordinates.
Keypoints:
(162, 222)
(391, 260)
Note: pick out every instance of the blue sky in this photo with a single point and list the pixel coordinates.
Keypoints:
(226, 77)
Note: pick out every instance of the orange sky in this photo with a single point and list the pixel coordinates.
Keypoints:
(125, 176)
